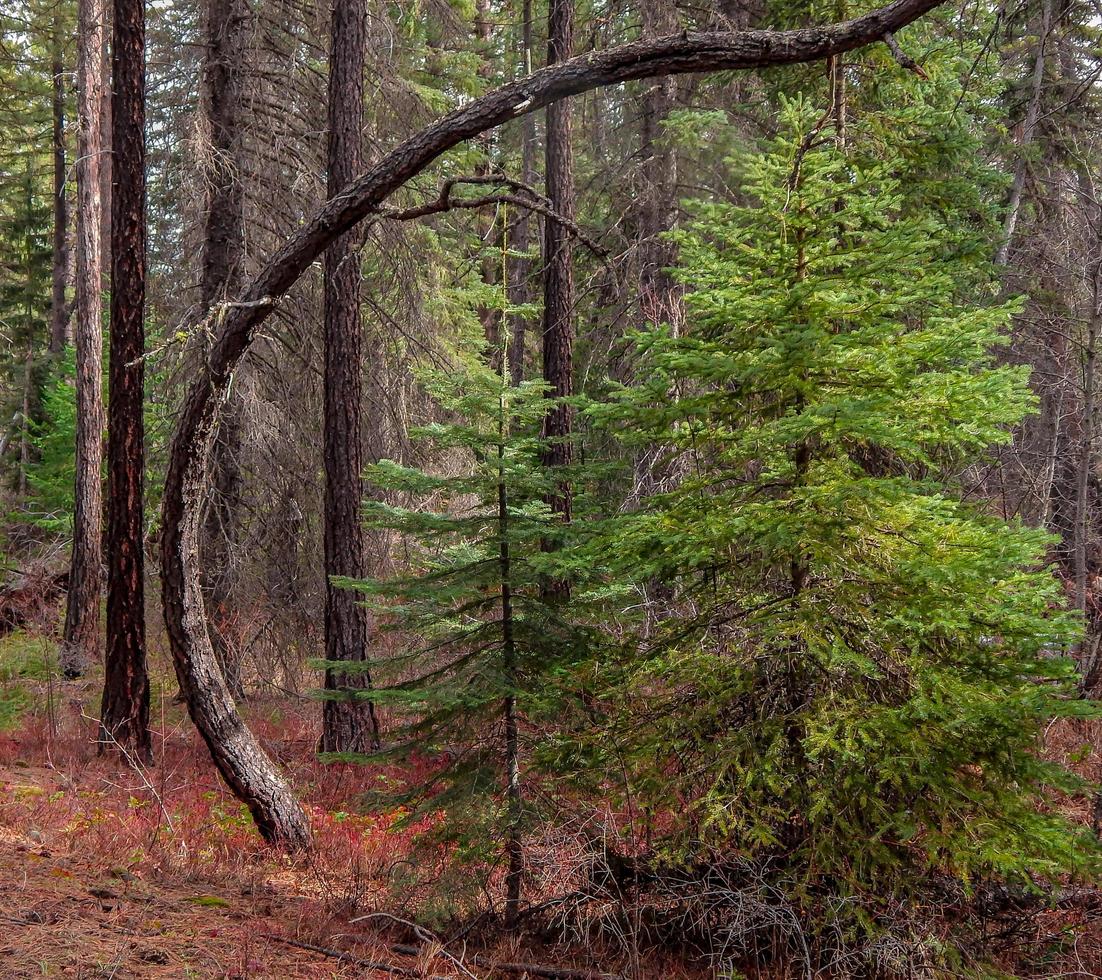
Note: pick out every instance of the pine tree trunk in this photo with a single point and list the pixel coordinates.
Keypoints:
(1029, 126)
(558, 269)
(25, 416)
(520, 268)
(59, 320)
(514, 797)
(348, 724)
(223, 257)
(1088, 659)
(659, 294)
(124, 721)
(80, 645)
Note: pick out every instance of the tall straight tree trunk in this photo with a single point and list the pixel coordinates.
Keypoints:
(348, 724)
(80, 645)
(520, 267)
(514, 791)
(1088, 651)
(558, 267)
(659, 294)
(124, 718)
(59, 321)
(25, 416)
(223, 255)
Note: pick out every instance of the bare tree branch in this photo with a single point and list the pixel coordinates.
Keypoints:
(529, 199)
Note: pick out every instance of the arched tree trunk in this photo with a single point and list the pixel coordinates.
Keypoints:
(244, 766)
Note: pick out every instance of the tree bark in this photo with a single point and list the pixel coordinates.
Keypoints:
(1029, 125)
(514, 791)
(246, 769)
(659, 293)
(59, 320)
(1081, 539)
(80, 645)
(25, 415)
(222, 270)
(520, 267)
(124, 718)
(348, 722)
(558, 265)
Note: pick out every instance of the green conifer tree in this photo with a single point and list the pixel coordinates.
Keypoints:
(479, 642)
(849, 694)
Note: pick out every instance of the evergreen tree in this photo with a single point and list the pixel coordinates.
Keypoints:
(849, 691)
(481, 640)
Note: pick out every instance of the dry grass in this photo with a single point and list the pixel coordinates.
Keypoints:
(109, 872)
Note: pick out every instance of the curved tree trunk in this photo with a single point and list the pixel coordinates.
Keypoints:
(80, 645)
(244, 766)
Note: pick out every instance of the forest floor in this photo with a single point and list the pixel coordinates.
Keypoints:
(114, 872)
(67, 914)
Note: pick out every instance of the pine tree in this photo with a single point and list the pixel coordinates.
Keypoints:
(481, 638)
(849, 693)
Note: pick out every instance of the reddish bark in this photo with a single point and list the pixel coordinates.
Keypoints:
(348, 725)
(558, 266)
(124, 718)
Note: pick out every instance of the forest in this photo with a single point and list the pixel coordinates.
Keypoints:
(561, 489)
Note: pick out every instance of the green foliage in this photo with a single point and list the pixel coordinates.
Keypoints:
(51, 475)
(25, 661)
(478, 635)
(856, 664)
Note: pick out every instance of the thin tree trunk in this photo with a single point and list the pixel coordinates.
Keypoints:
(80, 645)
(558, 268)
(514, 846)
(243, 764)
(1088, 663)
(25, 421)
(659, 293)
(223, 258)
(520, 267)
(59, 320)
(124, 719)
(349, 723)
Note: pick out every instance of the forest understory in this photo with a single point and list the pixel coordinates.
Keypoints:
(159, 871)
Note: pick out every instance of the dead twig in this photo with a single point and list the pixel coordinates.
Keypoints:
(547, 972)
(398, 971)
(904, 60)
(523, 197)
